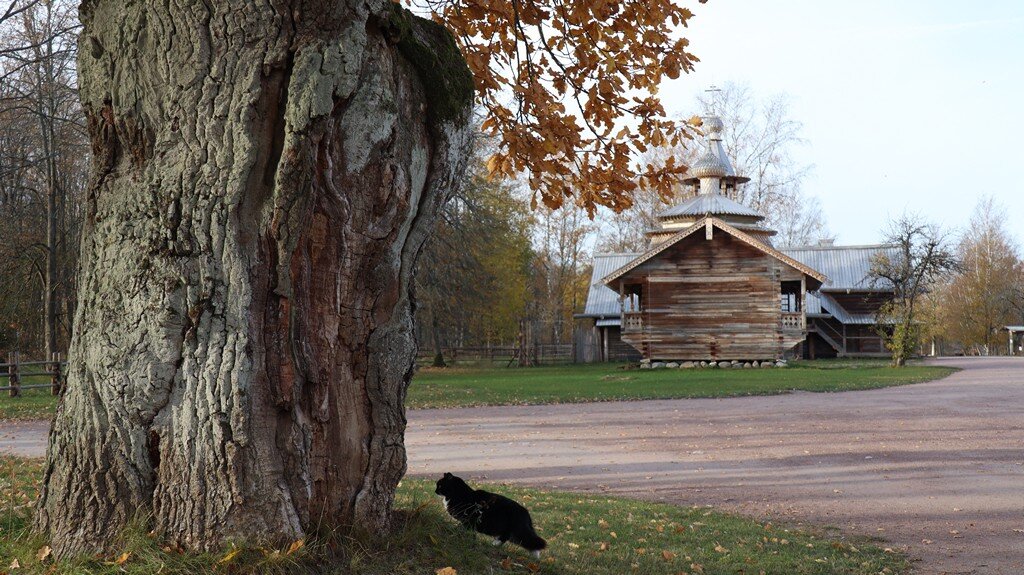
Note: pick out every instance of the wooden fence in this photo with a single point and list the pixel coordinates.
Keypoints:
(504, 356)
(15, 369)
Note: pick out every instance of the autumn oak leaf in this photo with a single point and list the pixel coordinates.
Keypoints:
(295, 546)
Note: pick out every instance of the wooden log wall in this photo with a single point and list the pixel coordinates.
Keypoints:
(714, 299)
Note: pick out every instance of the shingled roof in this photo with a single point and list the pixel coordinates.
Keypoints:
(709, 204)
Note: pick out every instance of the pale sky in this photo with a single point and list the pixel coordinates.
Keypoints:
(909, 105)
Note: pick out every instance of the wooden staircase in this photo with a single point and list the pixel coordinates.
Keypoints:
(824, 334)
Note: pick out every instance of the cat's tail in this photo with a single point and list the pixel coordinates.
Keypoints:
(533, 542)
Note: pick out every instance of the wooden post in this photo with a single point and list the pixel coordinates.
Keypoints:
(14, 379)
(56, 379)
(802, 304)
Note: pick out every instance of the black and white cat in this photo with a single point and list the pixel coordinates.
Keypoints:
(489, 513)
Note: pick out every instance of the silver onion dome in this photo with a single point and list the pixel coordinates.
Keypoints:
(712, 125)
(709, 166)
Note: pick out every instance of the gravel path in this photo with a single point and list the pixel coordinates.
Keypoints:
(935, 468)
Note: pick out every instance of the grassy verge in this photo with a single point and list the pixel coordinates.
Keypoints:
(466, 387)
(587, 535)
(31, 404)
(462, 387)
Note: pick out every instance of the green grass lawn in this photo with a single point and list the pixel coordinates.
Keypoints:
(31, 404)
(464, 387)
(461, 387)
(587, 535)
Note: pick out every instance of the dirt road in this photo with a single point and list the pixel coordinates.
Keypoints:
(937, 468)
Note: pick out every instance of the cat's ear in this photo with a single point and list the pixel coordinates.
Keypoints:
(447, 475)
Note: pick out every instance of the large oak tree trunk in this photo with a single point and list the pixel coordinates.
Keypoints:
(266, 174)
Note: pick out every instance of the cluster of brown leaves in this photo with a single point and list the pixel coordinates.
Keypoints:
(558, 82)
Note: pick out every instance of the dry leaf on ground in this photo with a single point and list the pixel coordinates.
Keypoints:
(229, 556)
(295, 546)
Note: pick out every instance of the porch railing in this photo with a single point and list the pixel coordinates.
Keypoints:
(793, 320)
(632, 321)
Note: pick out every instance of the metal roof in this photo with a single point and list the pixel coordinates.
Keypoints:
(602, 300)
(847, 267)
(713, 204)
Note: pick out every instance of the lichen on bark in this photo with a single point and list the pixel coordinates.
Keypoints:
(264, 179)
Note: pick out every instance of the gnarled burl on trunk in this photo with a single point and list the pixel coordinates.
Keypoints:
(265, 176)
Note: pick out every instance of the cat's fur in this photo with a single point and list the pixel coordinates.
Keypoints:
(489, 513)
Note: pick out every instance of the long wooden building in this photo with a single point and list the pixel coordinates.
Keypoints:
(711, 286)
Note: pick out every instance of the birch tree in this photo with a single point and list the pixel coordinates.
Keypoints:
(983, 297)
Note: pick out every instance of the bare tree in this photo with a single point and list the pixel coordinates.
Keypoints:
(923, 258)
(562, 240)
(760, 137)
(38, 99)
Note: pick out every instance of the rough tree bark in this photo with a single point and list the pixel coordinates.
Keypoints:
(266, 174)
